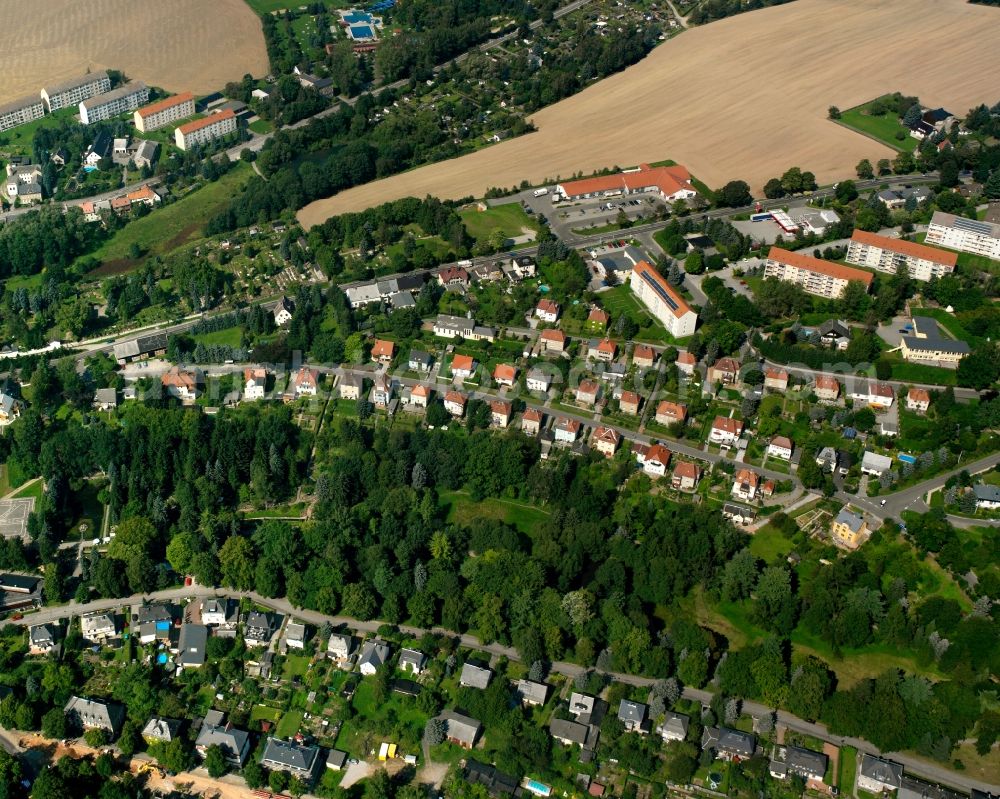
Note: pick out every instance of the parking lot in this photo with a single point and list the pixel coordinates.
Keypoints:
(565, 217)
(14, 517)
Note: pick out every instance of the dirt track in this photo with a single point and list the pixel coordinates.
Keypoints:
(177, 44)
(745, 97)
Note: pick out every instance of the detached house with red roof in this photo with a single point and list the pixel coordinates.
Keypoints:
(746, 485)
(780, 447)
(656, 460)
(686, 476)
(454, 403)
(504, 375)
(775, 379)
(383, 351)
(827, 388)
(420, 396)
(603, 350)
(462, 367)
(552, 341)
(605, 440)
(254, 382)
(500, 413)
(629, 403)
(305, 382)
(598, 320)
(643, 356)
(453, 276)
(587, 392)
(531, 422)
(686, 363)
(566, 430)
(669, 412)
(547, 311)
(918, 399)
(725, 430)
(725, 371)
(181, 383)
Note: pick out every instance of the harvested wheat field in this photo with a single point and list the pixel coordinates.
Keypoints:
(744, 97)
(177, 44)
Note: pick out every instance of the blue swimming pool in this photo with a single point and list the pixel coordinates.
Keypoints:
(538, 788)
(161, 658)
(907, 458)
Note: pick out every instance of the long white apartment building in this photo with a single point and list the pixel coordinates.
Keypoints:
(202, 131)
(662, 300)
(814, 275)
(887, 255)
(110, 104)
(964, 235)
(20, 112)
(74, 91)
(164, 112)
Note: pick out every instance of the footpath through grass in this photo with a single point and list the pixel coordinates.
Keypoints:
(175, 224)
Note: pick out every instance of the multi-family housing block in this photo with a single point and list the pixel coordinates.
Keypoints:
(110, 104)
(162, 113)
(887, 255)
(813, 275)
(202, 131)
(964, 235)
(663, 301)
(72, 92)
(20, 112)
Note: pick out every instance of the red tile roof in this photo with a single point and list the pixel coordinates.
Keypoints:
(819, 266)
(162, 105)
(727, 425)
(456, 397)
(532, 415)
(548, 306)
(686, 358)
(918, 395)
(599, 316)
(680, 304)
(383, 348)
(554, 335)
(607, 345)
(198, 124)
(827, 382)
(658, 453)
(505, 372)
(903, 247)
(687, 469)
(462, 363)
(668, 179)
(644, 353)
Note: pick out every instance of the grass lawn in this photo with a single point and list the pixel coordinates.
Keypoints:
(176, 224)
(509, 218)
(768, 544)
(261, 126)
(883, 128)
(620, 299)
(20, 138)
(295, 666)
(949, 322)
(265, 713)
(435, 245)
(289, 724)
(33, 489)
(848, 768)
(462, 510)
(267, 6)
(921, 373)
(230, 336)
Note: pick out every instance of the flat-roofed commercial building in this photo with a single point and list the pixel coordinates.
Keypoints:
(964, 235)
(162, 113)
(73, 91)
(110, 104)
(20, 112)
(887, 255)
(663, 301)
(202, 131)
(815, 276)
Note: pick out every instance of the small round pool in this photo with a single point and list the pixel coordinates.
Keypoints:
(161, 658)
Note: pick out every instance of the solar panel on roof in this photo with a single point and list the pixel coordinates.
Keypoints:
(660, 291)
(974, 226)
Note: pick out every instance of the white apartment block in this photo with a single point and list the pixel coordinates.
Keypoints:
(887, 255)
(964, 235)
(662, 300)
(72, 92)
(813, 275)
(160, 114)
(119, 101)
(202, 131)
(20, 112)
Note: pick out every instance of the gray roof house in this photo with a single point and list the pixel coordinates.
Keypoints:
(805, 763)
(910, 788)
(221, 612)
(633, 716)
(581, 706)
(987, 496)
(340, 646)
(569, 732)
(41, 638)
(297, 759)
(412, 660)
(674, 727)
(461, 729)
(234, 743)
(474, 676)
(106, 399)
(98, 627)
(160, 729)
(876, 775)
(729, 743)
(373, 654)
(336, 759)
(257, 629)
(530, 692)
(191, 646)
(874, 464)
(295, 635)
(420, 361)
(95, 714)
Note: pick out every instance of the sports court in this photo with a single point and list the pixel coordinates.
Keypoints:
(14, 517)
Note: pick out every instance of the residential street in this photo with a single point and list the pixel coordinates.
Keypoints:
(913, 764)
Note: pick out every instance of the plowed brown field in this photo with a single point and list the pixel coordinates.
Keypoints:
(745, 98)
(195, 45)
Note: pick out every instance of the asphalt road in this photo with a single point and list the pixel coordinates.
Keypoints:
(912, 764)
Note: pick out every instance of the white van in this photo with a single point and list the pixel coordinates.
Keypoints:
(541, 192)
